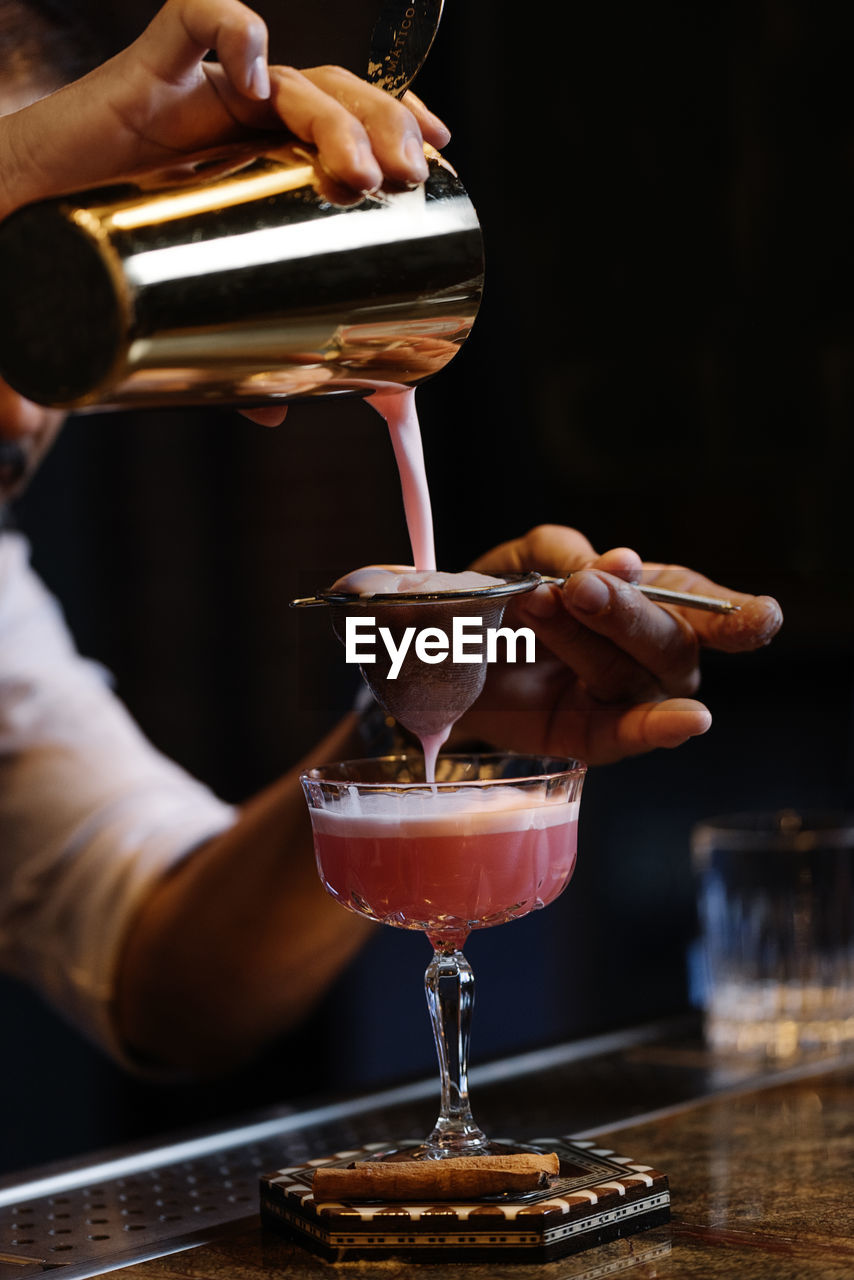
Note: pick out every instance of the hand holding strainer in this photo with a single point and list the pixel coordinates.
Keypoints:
(426, 696)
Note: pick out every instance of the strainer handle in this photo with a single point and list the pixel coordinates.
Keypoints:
(661, 595)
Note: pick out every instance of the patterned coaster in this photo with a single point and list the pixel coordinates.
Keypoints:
(598, 1196)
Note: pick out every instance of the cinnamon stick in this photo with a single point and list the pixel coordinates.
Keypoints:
(454, 1178)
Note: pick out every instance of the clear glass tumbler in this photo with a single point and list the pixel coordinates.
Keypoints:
(775, 896)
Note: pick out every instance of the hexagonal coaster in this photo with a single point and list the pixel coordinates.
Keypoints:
(597, 1196)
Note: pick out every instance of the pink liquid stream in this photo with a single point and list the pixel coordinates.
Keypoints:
(398, 409)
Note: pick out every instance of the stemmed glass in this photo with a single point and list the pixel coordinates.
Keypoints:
(491, 839)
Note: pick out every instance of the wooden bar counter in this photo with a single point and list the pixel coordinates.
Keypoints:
(760, 1164)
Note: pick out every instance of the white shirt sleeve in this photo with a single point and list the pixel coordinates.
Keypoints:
(91, 816)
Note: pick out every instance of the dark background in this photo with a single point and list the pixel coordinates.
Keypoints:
(663, 359)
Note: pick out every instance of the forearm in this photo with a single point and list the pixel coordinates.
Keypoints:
(17, 180)
(238, 942)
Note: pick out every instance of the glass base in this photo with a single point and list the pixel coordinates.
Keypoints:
(427, 1150)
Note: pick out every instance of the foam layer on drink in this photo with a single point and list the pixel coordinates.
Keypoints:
(458, 812)
(381, 579)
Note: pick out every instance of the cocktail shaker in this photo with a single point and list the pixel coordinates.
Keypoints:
(247, 277)
(251, 280)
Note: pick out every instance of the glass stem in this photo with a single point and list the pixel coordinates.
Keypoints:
(449, 983)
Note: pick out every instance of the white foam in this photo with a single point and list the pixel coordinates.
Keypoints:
(461, 811)
(380, 579)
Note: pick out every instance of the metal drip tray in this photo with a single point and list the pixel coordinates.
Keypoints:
(149, 1202)
(129, 1218)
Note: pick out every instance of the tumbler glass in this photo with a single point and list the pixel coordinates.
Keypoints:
(776, 915)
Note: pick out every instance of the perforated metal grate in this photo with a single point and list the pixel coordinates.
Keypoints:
(133, 1212)
(126, 1208)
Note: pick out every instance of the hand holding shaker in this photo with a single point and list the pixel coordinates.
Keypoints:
(247, 279)
(776, 908)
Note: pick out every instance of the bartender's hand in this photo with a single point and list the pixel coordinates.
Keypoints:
(615, 672)
(158, 102)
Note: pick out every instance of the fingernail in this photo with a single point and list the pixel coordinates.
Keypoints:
(414, 151)
(442, 129)
(588, 594)
(439, 127)
(541, 603)
(428, 117)
(259, 79)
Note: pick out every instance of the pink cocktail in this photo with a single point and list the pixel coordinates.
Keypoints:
(449, 862)
(494, 838)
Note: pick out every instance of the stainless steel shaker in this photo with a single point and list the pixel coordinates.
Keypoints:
(249, 286)
(247, 278)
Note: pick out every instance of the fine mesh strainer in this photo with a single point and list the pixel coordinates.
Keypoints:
(427, 696)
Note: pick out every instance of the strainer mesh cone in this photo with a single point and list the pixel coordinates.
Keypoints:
(425, 697)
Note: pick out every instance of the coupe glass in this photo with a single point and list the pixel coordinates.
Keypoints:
(493, 838)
